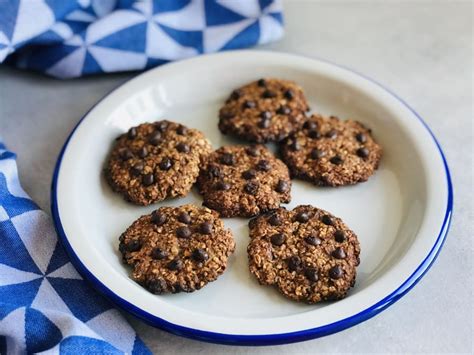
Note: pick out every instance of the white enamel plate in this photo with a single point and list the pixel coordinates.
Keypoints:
(401, 214)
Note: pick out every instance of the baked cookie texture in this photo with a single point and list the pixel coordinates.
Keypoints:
(177, 249)
(244, 181)
(155, 161)
(331, 152)
(264, 110)
(307, 253)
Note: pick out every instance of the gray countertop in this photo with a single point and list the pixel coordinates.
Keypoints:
(422, 50)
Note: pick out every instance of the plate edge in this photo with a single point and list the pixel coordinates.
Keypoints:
(268, 339)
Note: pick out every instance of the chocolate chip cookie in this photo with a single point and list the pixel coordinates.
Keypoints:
(264, 110)
(177, 249)
(307, 253)
(154, 161)
(244, 181)
(331, 152)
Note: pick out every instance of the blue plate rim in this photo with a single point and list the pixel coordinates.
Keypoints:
(267, 339)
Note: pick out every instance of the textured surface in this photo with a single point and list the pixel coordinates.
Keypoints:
(263, 111)
(177, 249)
(329, 151)
(244, 181)
(401, 44)
(155, 161)
(307, 253)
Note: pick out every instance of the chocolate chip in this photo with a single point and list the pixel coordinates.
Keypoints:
(184, 217)
(336, 160)
(332, 296)
(280, 136)
(264, 165)
(156, 286)
(361, 138)
(137, 168)
(126, 154)
(183, 232)
(158, 254)
(155, 138)
(311, 125)
(175, 264)
(227, 159)
(339, 236)
(148, 179)
(214, 171)
(267, 94)
(363, 152)
(252, 150)
(265, 115)
(332, 134)
(282, 186)
(206, 228)
(248, 104)
(200, 255)
(262, 82)
(317, 154)
(253, 222)
(177, 287)
(274, 220)
(302, 217)
(132, 133)
(312, 240)
(295, 145)
(183, 148)
(283, 110)
(162, 125)
(336, 272)
(264, 123)
(181, 130)
(289, 94)
(226, 115)
(236, 94)
(251, 188)
(165, 164)
(327, 220)
(311, 274)
(277, 239)
(222, 186)
(158, 218)
(133, 245)
(294, 263)
(249, 174)
(314, 134)
(339, 253)
(143, 152)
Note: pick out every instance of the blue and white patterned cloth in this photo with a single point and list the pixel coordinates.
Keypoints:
(71, 38)
(45, 305)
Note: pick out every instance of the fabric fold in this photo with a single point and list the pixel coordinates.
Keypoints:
(73, 38)
(45, 305)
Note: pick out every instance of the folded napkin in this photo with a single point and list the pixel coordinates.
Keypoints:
(71, 38)
(45, 305)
